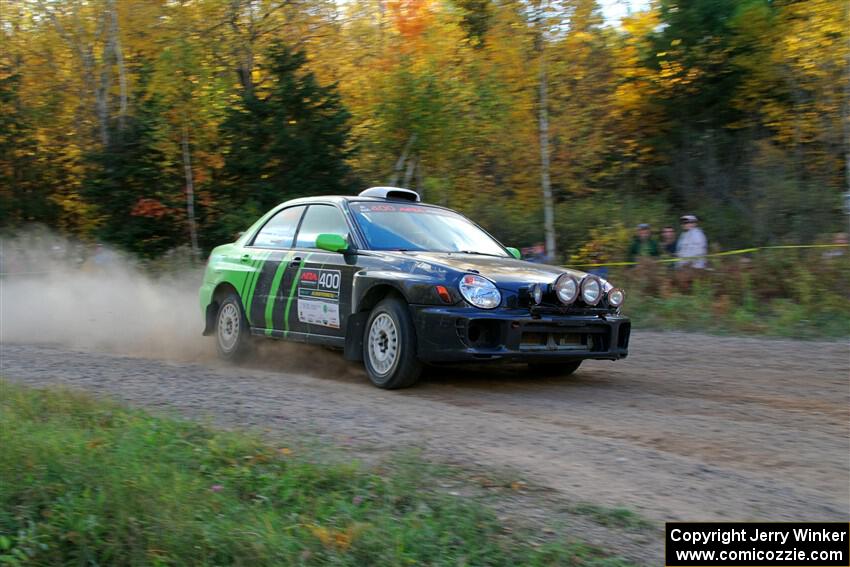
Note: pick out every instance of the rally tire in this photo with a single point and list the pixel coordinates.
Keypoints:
(232, 332)
(389, 346)
(551, 369)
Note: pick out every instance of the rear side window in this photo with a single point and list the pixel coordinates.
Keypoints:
(279, 231)
(320, 219)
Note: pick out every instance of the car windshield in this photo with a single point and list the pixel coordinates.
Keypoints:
(397, 226)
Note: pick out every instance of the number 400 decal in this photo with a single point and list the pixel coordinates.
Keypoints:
(329, 280)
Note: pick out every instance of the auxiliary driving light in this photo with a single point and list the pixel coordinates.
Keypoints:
(591, 290)
(566, 288)
(616, 297)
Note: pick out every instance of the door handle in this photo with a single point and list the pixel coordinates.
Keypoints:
(244, 259)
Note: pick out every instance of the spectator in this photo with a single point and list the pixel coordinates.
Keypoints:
(535, 253)
(643, 245)
(668, 241)
(691, 244)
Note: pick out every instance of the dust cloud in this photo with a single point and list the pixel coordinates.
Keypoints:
(56, 291)
(88, 297)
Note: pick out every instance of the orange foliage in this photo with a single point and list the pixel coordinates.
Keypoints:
(150, 208)
(411, 17)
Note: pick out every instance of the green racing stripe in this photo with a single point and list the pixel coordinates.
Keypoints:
(252, 286)
(275, 287)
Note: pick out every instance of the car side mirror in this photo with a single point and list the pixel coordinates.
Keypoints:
(332, 243)
(515, 253)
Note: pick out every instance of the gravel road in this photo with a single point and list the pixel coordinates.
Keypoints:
(689, 427)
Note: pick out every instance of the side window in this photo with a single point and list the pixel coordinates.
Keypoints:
(280, 229)
(320, 219)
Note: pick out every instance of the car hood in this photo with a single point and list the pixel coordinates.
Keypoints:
(506, 273)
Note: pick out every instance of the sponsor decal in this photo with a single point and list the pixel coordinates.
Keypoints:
(378, 208)
(417, 209)
(320, 284)
(322, 313)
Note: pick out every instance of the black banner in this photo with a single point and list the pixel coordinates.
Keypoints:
(757, 544)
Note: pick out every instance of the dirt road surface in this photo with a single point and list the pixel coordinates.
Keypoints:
(689, 427)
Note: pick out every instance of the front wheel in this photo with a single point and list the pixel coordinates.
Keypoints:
(554, 368)
(231, 329)
(389, 346)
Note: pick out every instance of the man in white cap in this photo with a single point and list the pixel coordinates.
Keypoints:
(692, 243)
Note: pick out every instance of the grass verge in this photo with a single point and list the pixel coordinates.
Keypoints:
(90, 482)
(613, 517)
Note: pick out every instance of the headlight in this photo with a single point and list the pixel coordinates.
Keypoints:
(566, 288)
(616, 297)
(480, 291)
(591, 290)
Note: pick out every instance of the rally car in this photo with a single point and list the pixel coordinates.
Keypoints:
(397, 284)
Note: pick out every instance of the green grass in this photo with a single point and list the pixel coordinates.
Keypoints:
(613, 517)
(87, 482)
(776, 318)
(800, 296)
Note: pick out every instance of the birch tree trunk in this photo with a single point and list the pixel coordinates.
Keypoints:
(399, 165)
(190, 194)
(845, 108)
(408, 174)
(102, 96)
(548, 205)
(845, 111)
(115, 39)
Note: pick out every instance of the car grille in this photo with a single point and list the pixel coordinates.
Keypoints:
(565, 341)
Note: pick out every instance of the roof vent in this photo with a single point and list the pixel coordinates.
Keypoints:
(395, 193)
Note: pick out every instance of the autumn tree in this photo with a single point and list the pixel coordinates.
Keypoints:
(286, 139)
(23, 196)
(131, 194)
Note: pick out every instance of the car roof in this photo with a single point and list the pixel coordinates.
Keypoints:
(339, 199)
(332, 198)
(372, 194)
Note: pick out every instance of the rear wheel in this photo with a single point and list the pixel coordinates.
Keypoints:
(554, 368)
(232, 332)
(389, 346)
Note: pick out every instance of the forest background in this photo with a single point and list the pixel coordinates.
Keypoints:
(155, 125)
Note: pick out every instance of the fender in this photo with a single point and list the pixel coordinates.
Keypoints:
(416, 289)
(371, 286)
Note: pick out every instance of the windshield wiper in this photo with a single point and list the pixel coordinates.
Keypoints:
(476, 253)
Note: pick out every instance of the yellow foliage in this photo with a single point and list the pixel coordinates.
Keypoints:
(338, 539)
(605, 245)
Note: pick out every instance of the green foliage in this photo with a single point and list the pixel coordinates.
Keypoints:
(23, 196)
(731, 109)
(287, 140)
(88, 482)
(476, 19)
(137, 202)
(782, 293)
(614, 517)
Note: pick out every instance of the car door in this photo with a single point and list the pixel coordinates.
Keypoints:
(322, 279)
(270, 253)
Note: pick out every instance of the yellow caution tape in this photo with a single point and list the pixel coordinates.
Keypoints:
(714, 255)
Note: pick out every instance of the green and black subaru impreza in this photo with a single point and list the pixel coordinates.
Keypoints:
(397, 283)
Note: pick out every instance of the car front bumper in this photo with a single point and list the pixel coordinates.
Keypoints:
(451, 334)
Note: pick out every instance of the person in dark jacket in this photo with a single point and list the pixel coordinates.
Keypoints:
(668, 241)
(643, 245)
